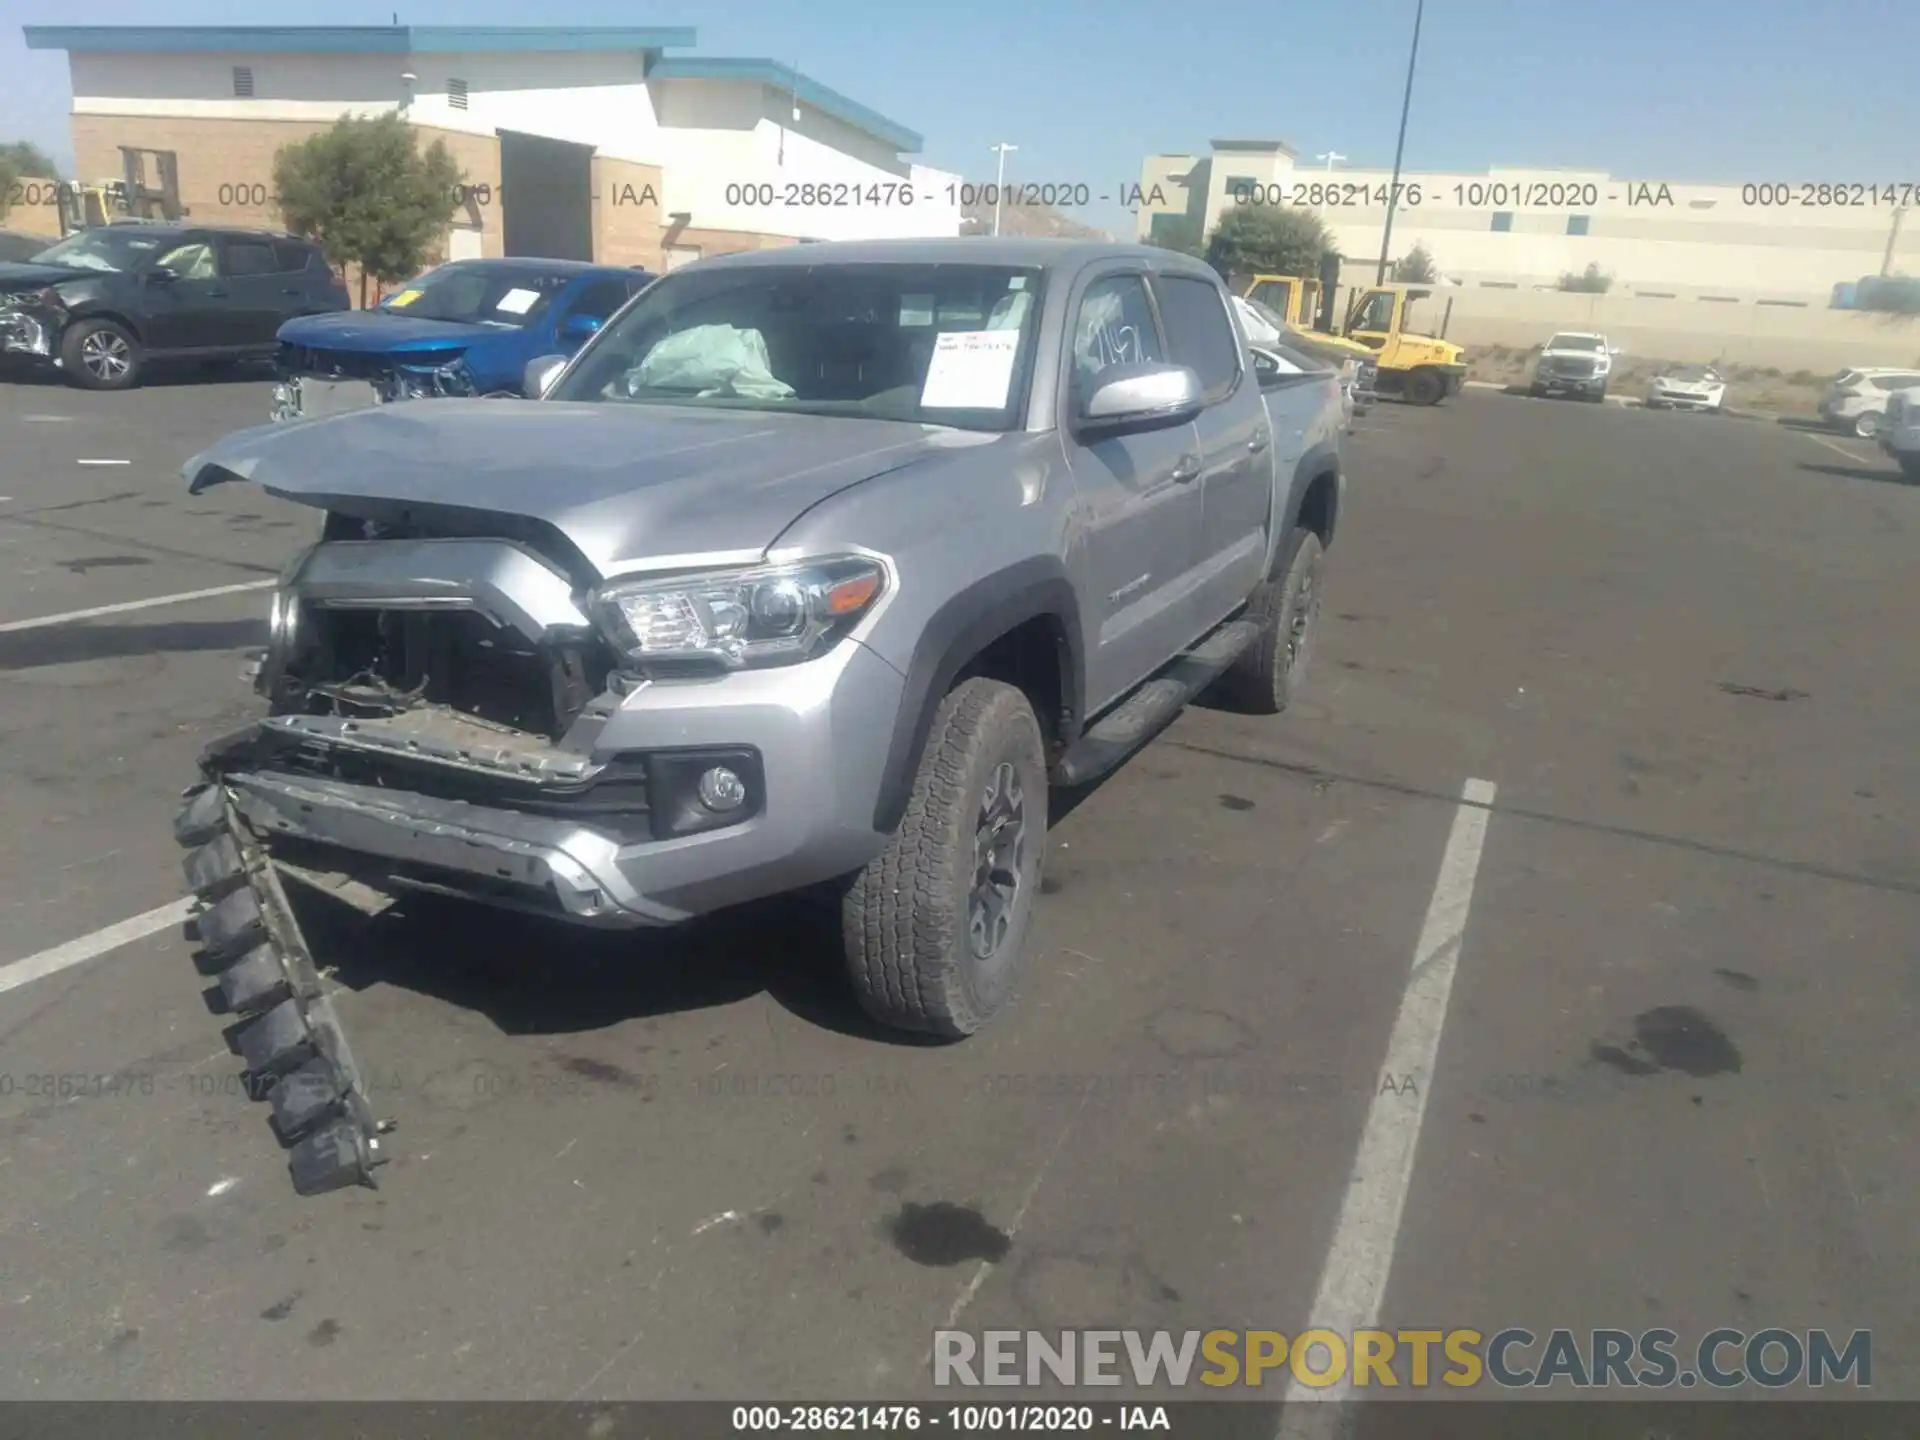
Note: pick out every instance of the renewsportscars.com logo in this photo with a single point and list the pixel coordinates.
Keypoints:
(1412, 1359)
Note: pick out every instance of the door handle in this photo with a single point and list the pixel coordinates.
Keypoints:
(1187, 469)
(217, 294)
(1258, 443)
(291, 290)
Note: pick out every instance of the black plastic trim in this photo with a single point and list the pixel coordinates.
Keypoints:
(959, 630)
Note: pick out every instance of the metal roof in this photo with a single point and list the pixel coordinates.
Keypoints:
(785, 77)
(352, 39)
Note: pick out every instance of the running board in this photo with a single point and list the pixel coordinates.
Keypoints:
(287, 1033)
(1151, 708)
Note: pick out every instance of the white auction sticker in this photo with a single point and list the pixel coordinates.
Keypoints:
(970, 370)
(518, 302)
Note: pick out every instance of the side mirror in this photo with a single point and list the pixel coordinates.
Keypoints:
(540, 374)
(162, 275)
(1143, 394)
(579, 328)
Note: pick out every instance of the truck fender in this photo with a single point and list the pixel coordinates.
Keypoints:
(1318, 462)
(958, 631)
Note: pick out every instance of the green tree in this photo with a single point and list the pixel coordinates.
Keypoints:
(1591, 281)
(1267, 239)
(370, 196)
(1177, 232)
(1416, 267)
(22, 160)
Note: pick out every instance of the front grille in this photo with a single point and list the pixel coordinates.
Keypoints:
(1569, 368)
(366, 663)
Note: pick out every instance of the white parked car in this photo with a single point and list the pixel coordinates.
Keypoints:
(1687, 387)
(1574, 362)
(1900, 435)
(1856, 401)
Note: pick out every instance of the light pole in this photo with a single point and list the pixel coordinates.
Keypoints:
(999, 180)
(1406, 102)
(1330, 157)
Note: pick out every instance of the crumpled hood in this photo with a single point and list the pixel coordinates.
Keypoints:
(627, 485)
(375, 332)
(21, 275)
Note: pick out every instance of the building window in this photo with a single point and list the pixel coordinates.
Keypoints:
(1577, 224)
(243, 81)
(1242, 189)
(457, 94)
(1503, 219)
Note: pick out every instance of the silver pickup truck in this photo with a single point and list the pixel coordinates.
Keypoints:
(814, 568)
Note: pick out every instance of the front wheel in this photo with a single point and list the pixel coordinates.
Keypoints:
(1866, 425)
(1425, 388)
(1910, 467)
(100, 355)
(935, 927)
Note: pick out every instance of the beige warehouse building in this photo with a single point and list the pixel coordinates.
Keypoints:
(1774, 239)
(577, 142)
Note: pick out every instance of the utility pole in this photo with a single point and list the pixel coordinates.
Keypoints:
(999, 180)
(1893, 238)
(1330, 156)
(1399, 148)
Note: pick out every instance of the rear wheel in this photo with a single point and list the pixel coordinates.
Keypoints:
(1910, 467)
(1424, 387)
(1268, 674)
(935, 927)
(101, 355)
(1866, 425)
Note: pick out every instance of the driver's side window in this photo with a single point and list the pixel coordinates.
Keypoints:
(192, 261)
(1114, 327)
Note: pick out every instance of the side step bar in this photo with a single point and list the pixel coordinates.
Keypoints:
(288, 1035)
(1151, 708)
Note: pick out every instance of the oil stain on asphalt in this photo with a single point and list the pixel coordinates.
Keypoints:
(944, 1234)
(1672, 1037)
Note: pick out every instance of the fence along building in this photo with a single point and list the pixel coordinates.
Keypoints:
(1773, 239)
(577, 142)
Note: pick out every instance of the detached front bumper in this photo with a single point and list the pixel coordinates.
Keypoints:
(809, 740)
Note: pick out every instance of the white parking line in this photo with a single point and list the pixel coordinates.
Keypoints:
(1354, 1279)
(1839, 449)
(89, 947)
(126, 605)
(103, 462)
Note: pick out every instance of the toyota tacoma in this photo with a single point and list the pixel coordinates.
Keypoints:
(813, 569)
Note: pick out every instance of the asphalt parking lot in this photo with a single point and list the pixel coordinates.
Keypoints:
(1667, 659)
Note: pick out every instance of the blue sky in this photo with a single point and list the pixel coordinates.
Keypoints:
(1705, 90)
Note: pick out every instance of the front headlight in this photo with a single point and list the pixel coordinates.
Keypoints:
(766, 615)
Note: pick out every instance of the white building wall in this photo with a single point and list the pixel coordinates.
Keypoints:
(1651, 235)
(730, 154)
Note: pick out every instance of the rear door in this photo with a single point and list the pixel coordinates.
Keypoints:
(261, 295)
(1236, 443)
(1137, 494)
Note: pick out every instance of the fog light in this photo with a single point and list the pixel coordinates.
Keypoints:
(721, 790)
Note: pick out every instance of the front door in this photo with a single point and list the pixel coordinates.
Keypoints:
(1137, 500)
(192, 310)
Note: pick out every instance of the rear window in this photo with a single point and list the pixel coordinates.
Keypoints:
(250, 257)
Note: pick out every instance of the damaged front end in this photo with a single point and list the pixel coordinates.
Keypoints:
(313, 383)
(31, 322)
(432, 703)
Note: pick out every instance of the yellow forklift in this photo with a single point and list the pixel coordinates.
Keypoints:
(1423, 369)
(128, 200)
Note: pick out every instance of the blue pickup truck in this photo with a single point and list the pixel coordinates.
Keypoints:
(465, 328)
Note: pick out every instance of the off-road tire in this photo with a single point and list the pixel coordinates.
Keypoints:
(1598, 397)
(1424, 387)
(1910, 467)
(904, 919)
(1538, 392)
(74, 352)
(1267, 676)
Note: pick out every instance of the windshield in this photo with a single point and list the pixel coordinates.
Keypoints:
(117, 247)
(938, 344)
(1574, 342)
(508, 296)
(1691, 372)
